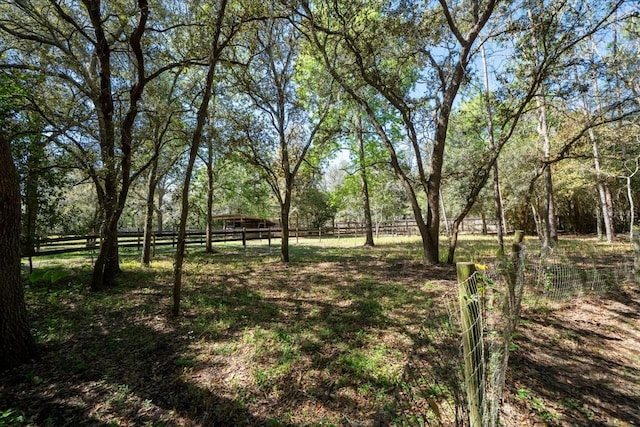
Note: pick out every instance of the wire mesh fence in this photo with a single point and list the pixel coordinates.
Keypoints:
(456, 374)
(559, 277)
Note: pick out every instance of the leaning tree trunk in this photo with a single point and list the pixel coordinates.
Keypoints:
(203, 112)
(604, 192)
(632, 207)
(550, 234)
(17, 343)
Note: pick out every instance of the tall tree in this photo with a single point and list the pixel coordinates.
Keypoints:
(362, 166)
(497, 192)
(224, 23)
(160, 132)
(15, 334)
(278, 131)
(96, 54)
(538, 26)
(429, 42)
(520, 84)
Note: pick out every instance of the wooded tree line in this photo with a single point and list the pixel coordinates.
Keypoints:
(523, 111)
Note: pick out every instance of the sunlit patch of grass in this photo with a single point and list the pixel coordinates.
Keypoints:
(336, 326)
(370, 367)
(274, 354)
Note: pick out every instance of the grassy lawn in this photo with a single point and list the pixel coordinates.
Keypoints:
(343, 335)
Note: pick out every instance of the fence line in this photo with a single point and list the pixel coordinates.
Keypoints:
(456, 374)
(129, 239)
(134, 239)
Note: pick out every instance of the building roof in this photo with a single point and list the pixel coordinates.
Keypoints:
(243, 220)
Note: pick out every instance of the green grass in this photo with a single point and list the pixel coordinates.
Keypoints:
(337, 331)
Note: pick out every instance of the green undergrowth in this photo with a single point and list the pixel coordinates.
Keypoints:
(332, 336)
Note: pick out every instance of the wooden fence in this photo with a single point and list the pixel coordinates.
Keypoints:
(134, 239)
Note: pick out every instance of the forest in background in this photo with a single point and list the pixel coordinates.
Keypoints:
(525, 112)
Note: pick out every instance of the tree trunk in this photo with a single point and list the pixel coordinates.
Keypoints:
(284, 219)
(604, 193)
(365, 185)
(148, 219)
(203, 111)
(444, 215)
(117, 160)
(159, 216)
(538, 221)
(209, 232)
(107, 264)
(31, 201)
(631, 206)
(550, 234)
(599, 223)
(195, 145)
(453, 240)
(484, 223)
(497, 194)
(15, 336)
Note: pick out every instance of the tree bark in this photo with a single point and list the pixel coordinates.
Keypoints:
(285, 207)
(209, 231)
(368, 222)
(107, 264)
(216, 49)
(17, 343)
(117, 178)
(549, 211)
(184, 211)
(148, 219)
(604, 192)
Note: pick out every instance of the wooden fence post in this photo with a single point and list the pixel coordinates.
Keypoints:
(269, 235)
(518, 236)
(244, 237)
(472, 344)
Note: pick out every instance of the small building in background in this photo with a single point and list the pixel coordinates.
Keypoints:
(238, 222)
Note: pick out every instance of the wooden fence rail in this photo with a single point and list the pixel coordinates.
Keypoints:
(129, 239)
(134, 239)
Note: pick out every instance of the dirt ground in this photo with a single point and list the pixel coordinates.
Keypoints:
(335, 342)
(578, 364)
